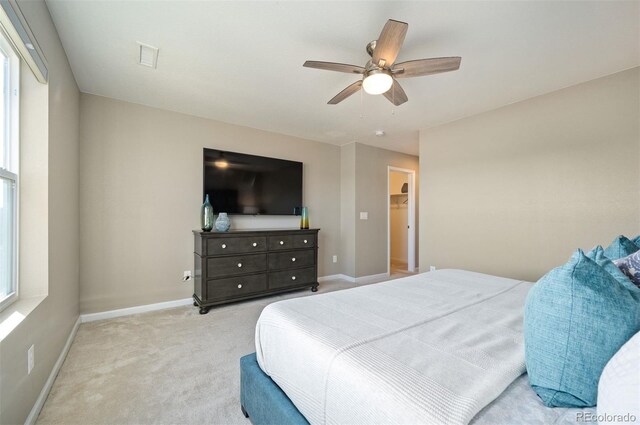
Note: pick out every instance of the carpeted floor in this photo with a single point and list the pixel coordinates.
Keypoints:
(167, 367)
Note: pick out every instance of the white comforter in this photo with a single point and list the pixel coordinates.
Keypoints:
(433, 348)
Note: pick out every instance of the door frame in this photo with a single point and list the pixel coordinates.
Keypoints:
(411, 218)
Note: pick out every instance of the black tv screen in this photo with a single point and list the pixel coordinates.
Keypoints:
(247, 184)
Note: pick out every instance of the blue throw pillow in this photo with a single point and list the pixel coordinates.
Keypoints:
(620, 247)
(636, 241)
(597, 255)
(630, 266)
(576, 318)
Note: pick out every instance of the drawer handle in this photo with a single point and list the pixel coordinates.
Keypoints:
(239, 285)
(293, 278)
(239, 264)
(305, 241)
(255, 244)
(293, 259)
(281, 242)
(224, 245)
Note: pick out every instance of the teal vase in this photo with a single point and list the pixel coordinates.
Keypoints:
(206, 215)
(304, 218)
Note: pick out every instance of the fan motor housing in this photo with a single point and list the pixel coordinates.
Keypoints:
(371, 47)
(375, 70)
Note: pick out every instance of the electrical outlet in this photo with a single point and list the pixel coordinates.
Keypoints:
(186, 276)
(30, 359)
(432, 268)
(364, 215)
(335, 258)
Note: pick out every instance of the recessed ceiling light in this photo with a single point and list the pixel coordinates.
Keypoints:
(148, 55)
(379, 133)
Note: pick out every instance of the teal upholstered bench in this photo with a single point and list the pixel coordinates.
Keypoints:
(261, 400)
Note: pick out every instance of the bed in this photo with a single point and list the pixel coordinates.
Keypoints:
(437, 348)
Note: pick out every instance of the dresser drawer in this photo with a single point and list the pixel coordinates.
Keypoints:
(295, 277)
(240, 245)
(292, 241)
(303, 241)
(292, 259)
(240, 264)
(236, 286)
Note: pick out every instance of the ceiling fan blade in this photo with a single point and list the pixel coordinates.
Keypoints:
(389, 43)
(421, 67)
(396, 94)
(353, 88)
(332, 66)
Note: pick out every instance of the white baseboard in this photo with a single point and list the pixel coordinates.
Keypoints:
(364, 279)
(110, 314)
(347, 278)
(91, 317)
(371, 278)
(334, 277)
(42, 397)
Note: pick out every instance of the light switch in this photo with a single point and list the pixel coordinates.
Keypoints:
(364, 215)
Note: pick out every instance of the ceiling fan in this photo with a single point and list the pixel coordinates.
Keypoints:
(380, 73)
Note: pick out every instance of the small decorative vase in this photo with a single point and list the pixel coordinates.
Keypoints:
(206, 215)
(304, 218)
(222, 222)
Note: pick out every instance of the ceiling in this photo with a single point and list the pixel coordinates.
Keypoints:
(241, 62)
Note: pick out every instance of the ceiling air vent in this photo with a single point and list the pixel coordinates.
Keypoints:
(148, 55)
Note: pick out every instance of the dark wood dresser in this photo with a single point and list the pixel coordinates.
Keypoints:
(242, 264)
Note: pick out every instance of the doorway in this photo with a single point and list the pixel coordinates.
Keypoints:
(401, 235)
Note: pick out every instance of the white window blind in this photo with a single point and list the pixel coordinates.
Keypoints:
(9, 150)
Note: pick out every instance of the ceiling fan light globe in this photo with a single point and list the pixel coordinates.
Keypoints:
(377, 82)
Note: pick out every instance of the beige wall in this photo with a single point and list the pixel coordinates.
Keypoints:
(141, 190)
(48, 326)
(371, 171)
(348, 210)
(514, 191)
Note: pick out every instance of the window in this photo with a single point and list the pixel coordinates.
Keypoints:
(9, 149)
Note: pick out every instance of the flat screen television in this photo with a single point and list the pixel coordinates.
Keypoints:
(238, 183)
